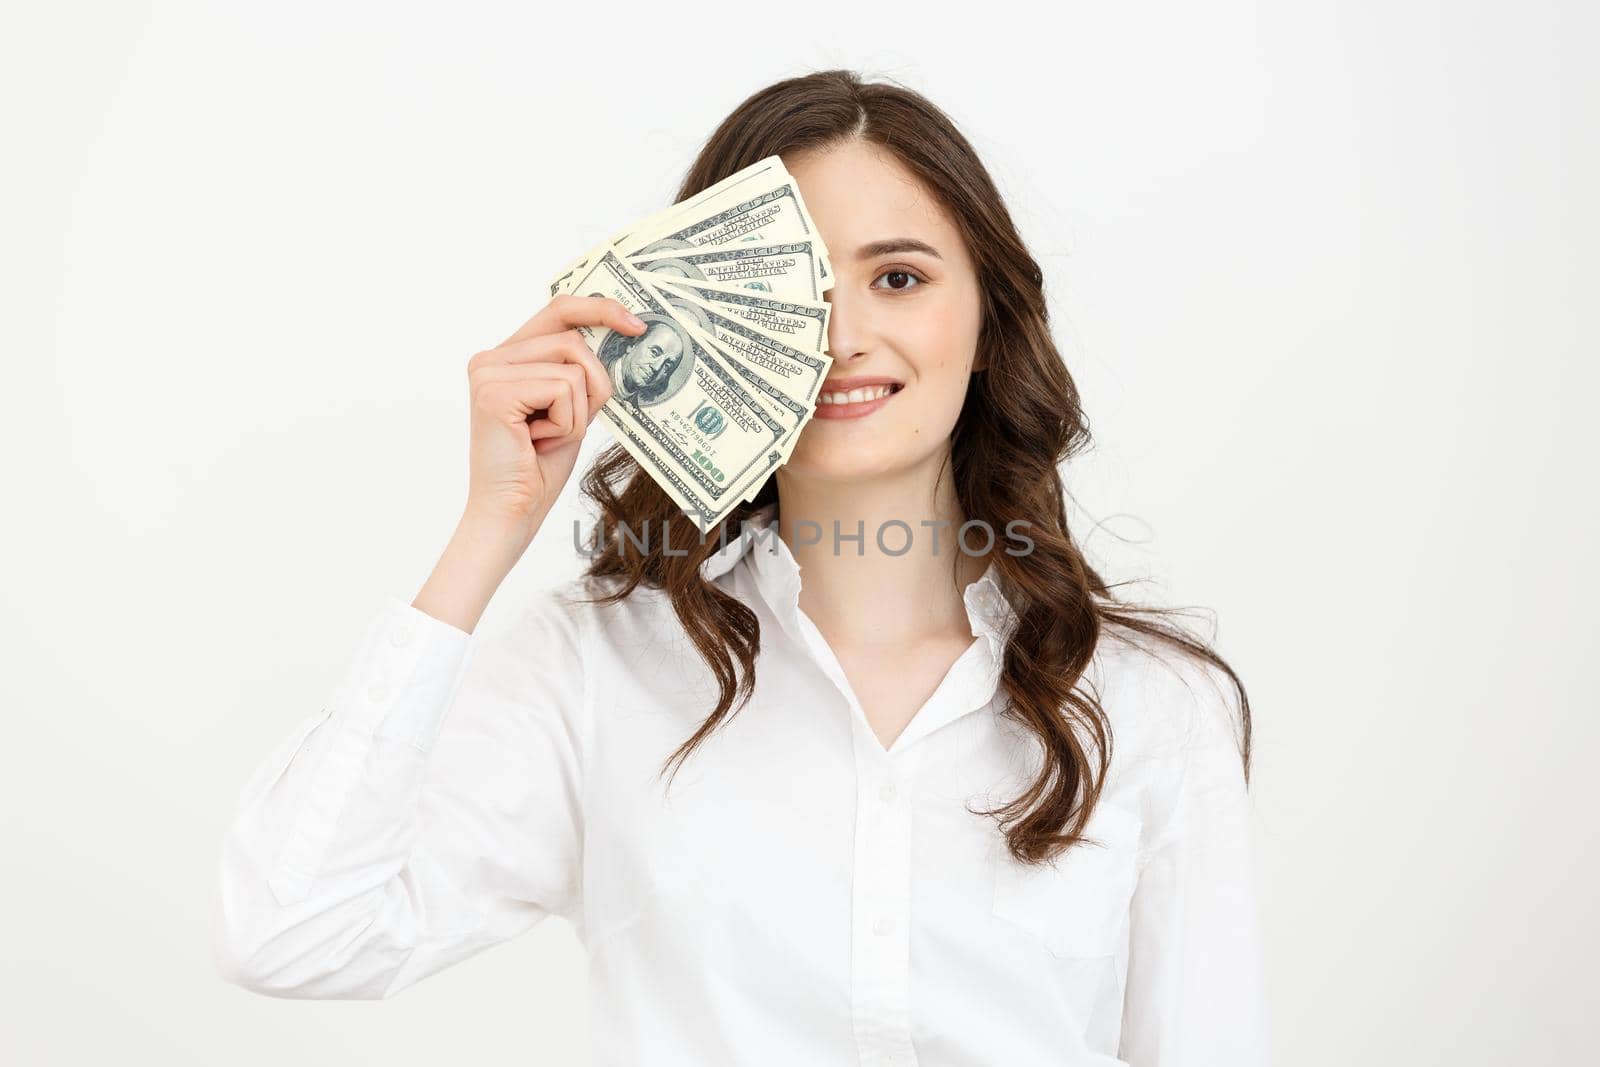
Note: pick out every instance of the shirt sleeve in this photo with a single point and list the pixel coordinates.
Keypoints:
(430, 809)
(1196, 990)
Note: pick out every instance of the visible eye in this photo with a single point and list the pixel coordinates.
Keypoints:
(900, 279)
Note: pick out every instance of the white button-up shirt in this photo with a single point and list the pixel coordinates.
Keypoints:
(804, 895)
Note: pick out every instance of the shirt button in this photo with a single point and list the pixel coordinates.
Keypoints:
(377, 691)
(886, 792)
(883, 925)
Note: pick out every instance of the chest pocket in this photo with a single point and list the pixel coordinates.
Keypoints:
(1076, 906)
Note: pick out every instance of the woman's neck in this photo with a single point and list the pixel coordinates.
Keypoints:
(880, 560)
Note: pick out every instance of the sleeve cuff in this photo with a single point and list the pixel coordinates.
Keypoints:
(404, 678)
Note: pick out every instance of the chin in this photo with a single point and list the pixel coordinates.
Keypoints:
(841, 465)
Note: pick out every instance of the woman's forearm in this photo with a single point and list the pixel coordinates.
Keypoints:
(480, 554)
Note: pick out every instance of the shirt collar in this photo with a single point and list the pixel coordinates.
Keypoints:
(777, 576)
(762, 557)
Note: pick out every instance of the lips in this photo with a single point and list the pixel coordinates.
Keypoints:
(856, 394)
(850, 398)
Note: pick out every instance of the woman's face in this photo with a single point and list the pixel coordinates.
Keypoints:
(906, 309)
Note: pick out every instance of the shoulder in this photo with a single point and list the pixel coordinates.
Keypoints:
(1176, 727)
(580, 610)
(624, 652)
(1161, 700)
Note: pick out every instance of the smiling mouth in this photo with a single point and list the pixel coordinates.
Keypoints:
(857, 396)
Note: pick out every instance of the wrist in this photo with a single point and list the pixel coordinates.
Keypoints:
(481, 552)
(493, 536)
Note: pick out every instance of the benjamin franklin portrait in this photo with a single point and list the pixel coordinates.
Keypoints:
(645, 369)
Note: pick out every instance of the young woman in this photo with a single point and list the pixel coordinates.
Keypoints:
(857, 798)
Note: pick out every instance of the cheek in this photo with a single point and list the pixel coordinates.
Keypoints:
(943, 338)
(939, 346)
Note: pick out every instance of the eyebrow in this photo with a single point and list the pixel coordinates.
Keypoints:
(896, 244)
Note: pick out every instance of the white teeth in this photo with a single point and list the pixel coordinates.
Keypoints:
(856, 396)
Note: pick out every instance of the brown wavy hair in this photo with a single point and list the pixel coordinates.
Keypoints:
(1020, 420)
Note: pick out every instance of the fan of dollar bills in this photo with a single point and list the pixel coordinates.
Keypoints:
(711, 398)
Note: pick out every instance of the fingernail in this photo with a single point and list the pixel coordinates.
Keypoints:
(632, 320)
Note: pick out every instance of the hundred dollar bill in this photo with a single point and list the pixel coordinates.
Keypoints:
(761, 176)
(788, 270)
(770, 217)
(797, 321)
(772, 394)
(758, 177)
(783, 376)
(689, 419)
(800, 324)
(798, 374)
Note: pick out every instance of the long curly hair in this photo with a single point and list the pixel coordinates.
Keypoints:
(1021, 419)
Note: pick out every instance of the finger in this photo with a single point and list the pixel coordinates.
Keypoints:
(558, 419)
(512, 400)
(541, 348)
(564, 409)
(569, 310)
(565, 348)
(577, 397)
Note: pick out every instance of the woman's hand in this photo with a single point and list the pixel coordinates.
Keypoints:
(533, 398)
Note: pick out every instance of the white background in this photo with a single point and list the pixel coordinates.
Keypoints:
(1325, 273)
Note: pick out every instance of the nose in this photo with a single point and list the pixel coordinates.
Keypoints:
(846, 334)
